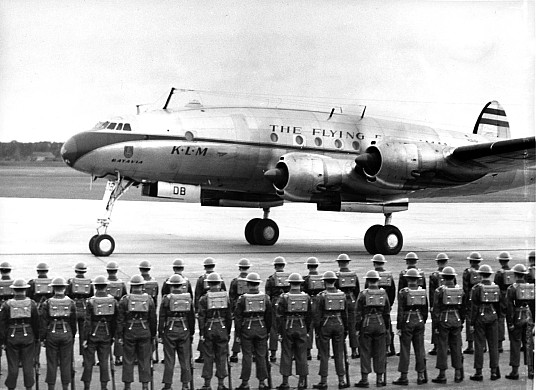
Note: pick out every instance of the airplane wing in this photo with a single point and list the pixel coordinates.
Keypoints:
(498, 156)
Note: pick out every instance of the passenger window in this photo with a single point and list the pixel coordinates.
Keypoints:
(111, 126)
(119, 126)
(126, 127)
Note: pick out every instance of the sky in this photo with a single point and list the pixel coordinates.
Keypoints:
(65, 65)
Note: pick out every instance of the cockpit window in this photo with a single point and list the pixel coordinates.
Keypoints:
(100, 125)
(127, 127)
(111, 126)
(119, 126)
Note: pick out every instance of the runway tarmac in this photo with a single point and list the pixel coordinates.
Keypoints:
(57, 231)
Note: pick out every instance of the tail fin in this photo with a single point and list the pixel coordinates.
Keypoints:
(492, 122)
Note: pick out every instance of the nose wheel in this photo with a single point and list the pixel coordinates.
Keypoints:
(262, 231)
(386, 239)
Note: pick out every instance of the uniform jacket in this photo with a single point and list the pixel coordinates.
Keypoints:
(125, 316)
(241, 316)
(6, 321)
(165, 314)
(92, 320)
(320, 313)
(206, 315)
(282, 314)
(404, 308)
(363, 311)
(46, 320)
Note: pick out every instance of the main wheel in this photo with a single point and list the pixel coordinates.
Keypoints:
(92, 244)
(103, 245)
(370, 239)
(266, 232)
(389, 240)
(248, 231)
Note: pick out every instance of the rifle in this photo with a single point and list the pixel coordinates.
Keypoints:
(529, 346)
(192, 384)
(229, 371)
(73, 386)
(269, 369)
(112, 367)
(36, 365)
(152, 371)
(346, 363)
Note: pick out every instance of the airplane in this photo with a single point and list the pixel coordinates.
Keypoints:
(261, 155)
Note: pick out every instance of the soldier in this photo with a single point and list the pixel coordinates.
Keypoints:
(39, 289)
(449, 312)
(435, 281)
(176, 328)
(238, 287)
(348, 283)
(410, 324)
(276, 284)
(485, 311)
(330, 320)
(470, 278)
(57, 330)
(294, 318)
(150, 287)
(520, 321)
(79, 289)
(99, 332)
(19, 331)
(178, 269)
(201, 288)
(411, 263)
(530, 268)
(372, 326)
(386, 282)
(5, 281)
(136, 328)
(504, 277)
(116, 288)
(312, 285)
(253, 319)
(215, 320)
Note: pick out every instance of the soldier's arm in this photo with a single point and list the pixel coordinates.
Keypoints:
(280, 314)
(162, 316)
(308, 314)
(228, 317)
(317, 305)
(152, 318)
(359, 311)
(202, 313)
(475, 302)
(431, 290)
(87, 321)
(121, 316)
(400, 310)
(386, 313)
(425, 313)
(113, 322)
(238, 313)
(510, 294)
(436, 305)
(4, 319)
(72, 319)
(43, 320)
(191, 321)
(356, 289)
(268, 314)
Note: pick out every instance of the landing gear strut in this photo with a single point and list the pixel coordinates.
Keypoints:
(386, 239)
(103, 244)
(262, 231)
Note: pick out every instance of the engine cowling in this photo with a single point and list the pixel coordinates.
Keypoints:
(400, 165)
(304, 177)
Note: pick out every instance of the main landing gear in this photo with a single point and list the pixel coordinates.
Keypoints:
(262, 231)
(386, 239)
(103, 244)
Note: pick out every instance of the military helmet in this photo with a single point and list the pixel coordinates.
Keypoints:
(244, 263)
(295, 278)
(99, 280)
(378, 258)
(58, 282)
(178, 263)
(175, 279)
(372, 275)
(209, 262)
(343, 257)
(136, 280)
(411, 256)
(474, 256)
(329, 275)
(112, 266)
(214, 277)
(42, 267)
(531, 255)
(144, 264)
(279, 260)
(442, 257)
(5, 265)
(253, 277)
(80, 267)
(19, 284)
(504, 256)
(412, 273)
(485, 269)
(312, 261)
(448, 271)
(520, 269)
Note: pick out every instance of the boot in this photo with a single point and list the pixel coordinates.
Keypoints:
(458, 375)
(478, 376)
(342, 383)
(243, 386)
(380, 380)
(495, 374)
(513, 375)
(127, 386)
(402, 380)
(273, 358)
(530, 374)
(323, 384)
(199, 359)
(421, 378)
(469, 350)
(284, 385)
(145, 386)
(355, 355)
(104, 385)
(433, 351)
(167, 386)
(363, 382)
(441, 378)
(234, 358)
(302, 382)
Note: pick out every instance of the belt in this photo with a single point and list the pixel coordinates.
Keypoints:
(410, 312)
(455, 311)
(56, 323)
(173, 320)
(135, 320)
(258, 318)
(290, 320)
(332, 317)
(99, 324)
(522, 309)
(217, 320)
(14, 328)
(377, 315)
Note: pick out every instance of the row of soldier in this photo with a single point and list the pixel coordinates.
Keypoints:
(288, 314)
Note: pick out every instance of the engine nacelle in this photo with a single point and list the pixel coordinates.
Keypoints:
(304, 177)
(400, 165)
(180, 192)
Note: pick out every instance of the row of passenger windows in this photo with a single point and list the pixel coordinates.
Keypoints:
(299, 140)
(113, 126)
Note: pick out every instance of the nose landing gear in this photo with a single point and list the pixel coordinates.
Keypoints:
(262, 231)
(102, 244)
(386, 239)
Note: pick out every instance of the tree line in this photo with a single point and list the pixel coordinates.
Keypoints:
(20, 151)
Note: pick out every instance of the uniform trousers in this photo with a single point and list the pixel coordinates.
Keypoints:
(333, 330)
(412, 333)
(100, 343)
(372, 344)
(216, 350)
(137, 344)
(486, 332)
(177, 340)
(449, 337)
(294, 344)
(59, 347)
(20, 348)
(254, 341)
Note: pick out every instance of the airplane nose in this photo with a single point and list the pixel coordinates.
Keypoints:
(69, 151)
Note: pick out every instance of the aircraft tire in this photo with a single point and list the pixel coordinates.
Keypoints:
(266, 232)
(370, 239)
(389, 240)
(106, 249)
(92, 244)
(248, 231)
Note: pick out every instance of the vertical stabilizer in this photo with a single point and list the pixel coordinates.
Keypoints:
(492, 122)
